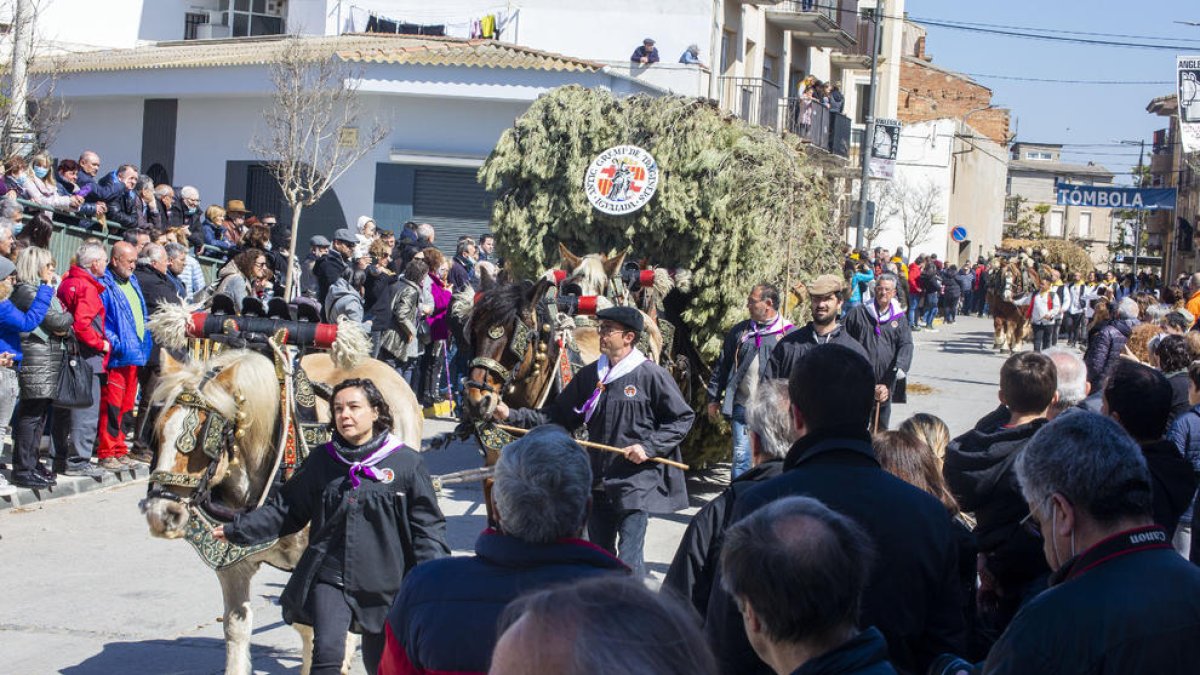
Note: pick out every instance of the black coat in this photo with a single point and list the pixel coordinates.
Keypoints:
(695, 565)
(378, 291)
(1134, 612)
(41, 349)
(913, 592)
(798, 342)
(646, 407)
(1104, 348)
(384, 530)
(328, 269)
(863, 654)
(445, 617)
(890, 351)
(979, 472)
(1174, 482)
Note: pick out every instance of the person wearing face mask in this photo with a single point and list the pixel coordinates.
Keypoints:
(13, 322)
(39, 186)
(1120, 599)
(185, 211)
(374, 516)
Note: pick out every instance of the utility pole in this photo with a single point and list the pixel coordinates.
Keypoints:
(1137, 228)
(18, 123)
(864, 148)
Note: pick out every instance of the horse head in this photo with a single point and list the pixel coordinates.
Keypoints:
(511, 341)
(213, 435)
(589, 274)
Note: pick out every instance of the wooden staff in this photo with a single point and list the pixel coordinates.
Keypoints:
(875, 426)
(599, 446)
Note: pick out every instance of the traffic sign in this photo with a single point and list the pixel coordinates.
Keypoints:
(959, 234)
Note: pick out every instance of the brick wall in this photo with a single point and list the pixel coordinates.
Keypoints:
(927, 93)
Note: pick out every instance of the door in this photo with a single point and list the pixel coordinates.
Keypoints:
(158, 138)
(453, 202)
(1055, 227)
(1085, 225)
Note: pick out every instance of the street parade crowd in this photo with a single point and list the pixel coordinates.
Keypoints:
(1052, 537)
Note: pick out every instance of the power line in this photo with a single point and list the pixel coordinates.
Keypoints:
(1057, 81)
(1054, 30)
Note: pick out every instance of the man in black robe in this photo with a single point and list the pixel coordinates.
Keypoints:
(625, 401)
(825, 296)
(879, 326)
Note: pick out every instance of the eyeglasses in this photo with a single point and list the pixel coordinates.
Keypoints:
(261, 263)
(1031, 526)
(605, 330)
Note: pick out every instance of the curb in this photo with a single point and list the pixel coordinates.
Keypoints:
(73, 485)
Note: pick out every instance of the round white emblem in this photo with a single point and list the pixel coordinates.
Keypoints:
(621, 180)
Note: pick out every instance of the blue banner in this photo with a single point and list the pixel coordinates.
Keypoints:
(1110, 197)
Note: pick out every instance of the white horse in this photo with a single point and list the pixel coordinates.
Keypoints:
(232, 401)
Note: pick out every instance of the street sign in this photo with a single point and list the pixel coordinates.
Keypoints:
(1112, 197)
(959, 234)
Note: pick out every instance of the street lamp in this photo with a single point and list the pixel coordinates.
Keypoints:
(1141, 182)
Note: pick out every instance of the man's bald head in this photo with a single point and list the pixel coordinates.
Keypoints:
(124, 259)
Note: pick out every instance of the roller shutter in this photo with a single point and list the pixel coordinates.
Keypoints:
(453, 202)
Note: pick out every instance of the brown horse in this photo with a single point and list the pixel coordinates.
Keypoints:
(217, 440)
(1008, 283)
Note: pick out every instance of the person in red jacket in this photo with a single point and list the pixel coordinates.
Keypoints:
(80, 295)
(915, 292)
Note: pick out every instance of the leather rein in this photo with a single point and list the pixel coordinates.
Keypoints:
(529, 344)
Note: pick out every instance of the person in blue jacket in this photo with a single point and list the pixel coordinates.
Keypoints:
(13, 322)
(125, 329)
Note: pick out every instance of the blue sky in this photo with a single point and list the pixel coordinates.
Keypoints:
(1060, 112)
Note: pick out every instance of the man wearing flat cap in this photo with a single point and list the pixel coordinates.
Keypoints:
(628, 402)
(880, 327)
(743, 362)
(825, 296)
(333, 264)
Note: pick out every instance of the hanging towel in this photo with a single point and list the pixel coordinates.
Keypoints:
(488, 25)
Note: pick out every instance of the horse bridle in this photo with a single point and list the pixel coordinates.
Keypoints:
(540, 334)
(203, 427)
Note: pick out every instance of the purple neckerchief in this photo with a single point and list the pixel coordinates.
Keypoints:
(366, 467)
(777, 327)
(607, 374)
(893, 311)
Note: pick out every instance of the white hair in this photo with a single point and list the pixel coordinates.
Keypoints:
(154, 253)
(1072, 376)
(543, 482)
(89, 253)
(769, 417)
(425, 231)
(189, 192)
(1128, 309)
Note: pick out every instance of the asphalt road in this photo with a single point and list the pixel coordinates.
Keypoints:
(87, 591)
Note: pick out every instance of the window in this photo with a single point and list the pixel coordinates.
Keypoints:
(863, 92)
(190, 21)
(1038, 155)
(1055, 227)
(253, 17)
(1085, 225)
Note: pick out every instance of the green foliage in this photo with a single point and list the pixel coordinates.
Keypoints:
(732, 198)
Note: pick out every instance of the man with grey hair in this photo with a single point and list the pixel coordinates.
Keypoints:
(185, 211)
(769, 423)
(1104, 352)
(1120, 599)
(879, 326)
(444, 618)
(74, 430)
(425, 235)
(153, 274)
(1073, 387)
(798, 571)
(6, 238)
(120, 188)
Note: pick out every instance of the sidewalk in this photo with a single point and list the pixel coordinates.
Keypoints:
(71, 485)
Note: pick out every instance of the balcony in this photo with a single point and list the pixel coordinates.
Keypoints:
(817, 125)
(817, 23)
(857, 57)
(753, 99)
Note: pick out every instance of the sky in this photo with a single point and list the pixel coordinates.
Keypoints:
(1095, 115)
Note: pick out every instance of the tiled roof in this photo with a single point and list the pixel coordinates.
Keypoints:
(356, 48)
(1043, 166)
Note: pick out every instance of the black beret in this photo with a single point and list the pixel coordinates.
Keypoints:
(626, 316)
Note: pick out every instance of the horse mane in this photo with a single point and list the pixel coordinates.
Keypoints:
(590, 274)
(253, 379)
(501, 306)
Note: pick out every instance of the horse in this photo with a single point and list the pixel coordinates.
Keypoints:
(593, 275)
(1009, 282)
(229, 406)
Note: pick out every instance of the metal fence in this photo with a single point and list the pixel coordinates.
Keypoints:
(811, 7)
(813, 122)
(753, 99)
(70, 234)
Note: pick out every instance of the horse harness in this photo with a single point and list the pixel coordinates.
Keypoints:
(540, 335)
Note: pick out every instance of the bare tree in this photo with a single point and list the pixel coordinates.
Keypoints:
(34, 111)
(312, 135)
(887, 206)
(916, 206)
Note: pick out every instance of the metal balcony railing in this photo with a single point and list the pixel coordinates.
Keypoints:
(809, 119)
(825, 7)
(753, 99)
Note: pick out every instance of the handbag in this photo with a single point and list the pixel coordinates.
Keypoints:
(74, 388)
